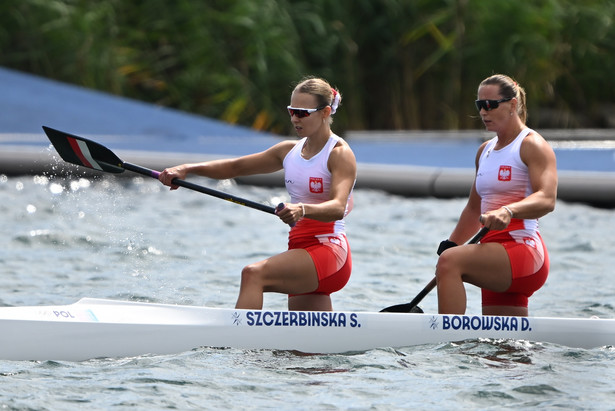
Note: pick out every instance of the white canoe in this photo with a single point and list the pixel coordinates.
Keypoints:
(95, 328)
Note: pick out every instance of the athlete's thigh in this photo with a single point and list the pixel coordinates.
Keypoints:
(485, 265)
(292, 271)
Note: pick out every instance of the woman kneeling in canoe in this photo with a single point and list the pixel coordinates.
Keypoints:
(320, 173)
(515, 184)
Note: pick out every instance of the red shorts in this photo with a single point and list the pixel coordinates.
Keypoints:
(332, 259)
(529, 263)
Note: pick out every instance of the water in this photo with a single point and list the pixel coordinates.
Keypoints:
(132, 239)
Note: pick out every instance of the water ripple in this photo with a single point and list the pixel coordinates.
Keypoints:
(131, 239)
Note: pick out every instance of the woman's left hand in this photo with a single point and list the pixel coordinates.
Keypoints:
(496, 219)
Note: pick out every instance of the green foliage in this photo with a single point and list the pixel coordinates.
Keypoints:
(400, 64)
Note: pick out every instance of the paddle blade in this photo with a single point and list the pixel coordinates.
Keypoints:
(403, 308)
(84, 152)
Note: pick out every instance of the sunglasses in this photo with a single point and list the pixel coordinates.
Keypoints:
(303, 112)
(490, 104)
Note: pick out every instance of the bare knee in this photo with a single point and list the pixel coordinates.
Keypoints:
(251, 274)
(445, 268)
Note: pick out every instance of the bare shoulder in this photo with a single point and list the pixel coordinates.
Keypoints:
(535, 147)
(282, 148)
(342, 160)
(534, 137)
(286, 144)
(535, 141)
(342, 151)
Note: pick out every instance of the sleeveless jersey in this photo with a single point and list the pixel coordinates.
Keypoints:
(503, 178)
(309, 181)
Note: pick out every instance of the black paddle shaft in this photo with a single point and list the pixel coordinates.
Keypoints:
(412, 305)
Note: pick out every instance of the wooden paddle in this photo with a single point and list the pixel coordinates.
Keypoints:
(412, 306)
(87, 153)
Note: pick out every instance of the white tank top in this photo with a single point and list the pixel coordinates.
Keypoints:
(503, 178)
(309, 181)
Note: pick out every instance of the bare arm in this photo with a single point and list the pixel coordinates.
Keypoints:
(266, 161)
(540, 159)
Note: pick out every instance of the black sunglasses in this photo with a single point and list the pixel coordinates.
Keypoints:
(303, 112)
(490, 104)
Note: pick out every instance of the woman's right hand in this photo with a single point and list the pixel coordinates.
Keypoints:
(169, 174)
(290, 213)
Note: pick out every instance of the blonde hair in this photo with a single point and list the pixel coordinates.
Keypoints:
(509, 88)
(322, 90)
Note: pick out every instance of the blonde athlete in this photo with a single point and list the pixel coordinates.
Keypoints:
(320, 173)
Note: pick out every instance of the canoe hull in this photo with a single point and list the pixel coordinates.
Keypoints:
(94, 328)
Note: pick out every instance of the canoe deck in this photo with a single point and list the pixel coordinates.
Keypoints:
(95, 328)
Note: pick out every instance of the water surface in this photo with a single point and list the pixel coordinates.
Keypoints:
(132, 239)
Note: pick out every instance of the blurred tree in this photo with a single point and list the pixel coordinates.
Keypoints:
(400, 64)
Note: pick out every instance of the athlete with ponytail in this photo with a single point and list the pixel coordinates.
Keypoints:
(515, 185)
(320, 172)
